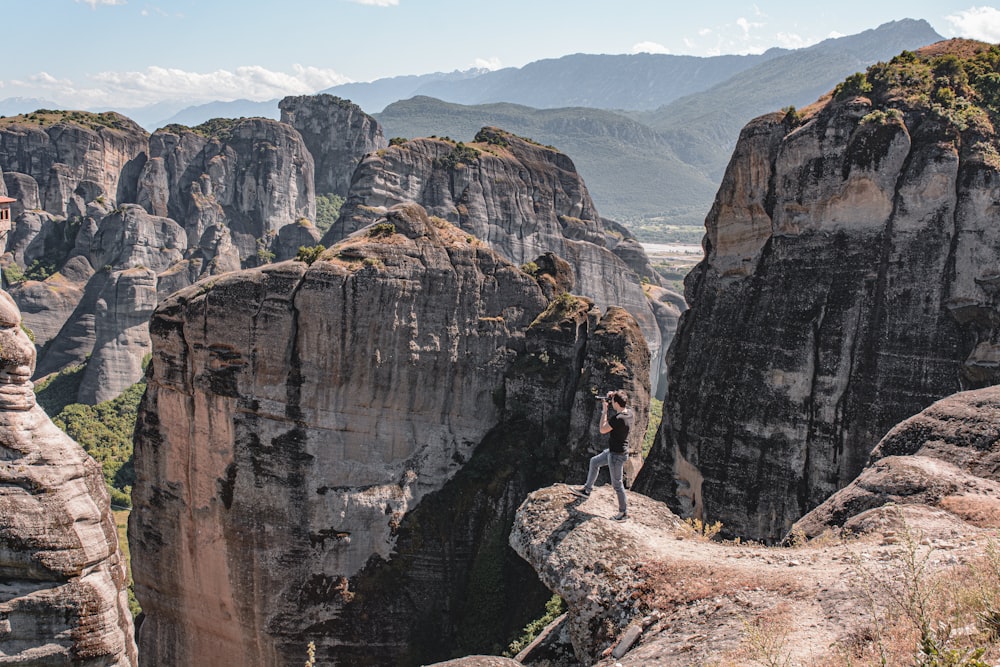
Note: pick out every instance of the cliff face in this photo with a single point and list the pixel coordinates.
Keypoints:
(337, 133)
(946, 458)
(521, 198)
(253, 176)
(849, 281)
(211, 198)
(333, 452)
(63, 598)
(73, 157)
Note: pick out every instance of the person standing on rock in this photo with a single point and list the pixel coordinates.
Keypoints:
(618, 424)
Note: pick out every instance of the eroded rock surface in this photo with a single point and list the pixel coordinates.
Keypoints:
(338, 134)
(63, 588)
(334, 452)
(522, 199)
(849, 282)
(651, 592)
(947, 457)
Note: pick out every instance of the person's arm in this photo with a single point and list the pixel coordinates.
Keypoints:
(605, 426)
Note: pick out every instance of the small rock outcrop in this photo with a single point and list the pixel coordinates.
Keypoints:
(849, 281)
(63, 596)
(333, 452)
(947, 457)
(337, 133)
(654, 592)
(521, 198)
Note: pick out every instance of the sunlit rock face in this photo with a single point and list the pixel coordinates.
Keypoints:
(523, 200)
(850, 280)
(72, 159)
(337, 133)
(63, 587)
(252, 176)
(334, 452)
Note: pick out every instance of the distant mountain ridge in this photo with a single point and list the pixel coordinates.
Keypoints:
(650, 133)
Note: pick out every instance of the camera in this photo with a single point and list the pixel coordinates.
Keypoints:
(600, 398)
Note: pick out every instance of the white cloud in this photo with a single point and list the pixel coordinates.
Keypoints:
(491, 64)
(649, 47)
(746, 26)
(790, 40)
(157, 84)
(94, 3)
(378, 3)
(982, 23)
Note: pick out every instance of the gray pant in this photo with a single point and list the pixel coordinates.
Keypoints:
(616, 466)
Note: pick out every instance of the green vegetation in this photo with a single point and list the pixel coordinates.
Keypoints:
(216, 128)
(105, 432)
(327, 211)
(655, 416)
(398, 141)
(121, 524)
(54, 392)
(310, 254)
(852, 86)
(554, 608)
(961, 89)
(381, 230)
(93, 121)
(459, 155)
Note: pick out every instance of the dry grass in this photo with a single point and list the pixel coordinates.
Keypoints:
(670, 583)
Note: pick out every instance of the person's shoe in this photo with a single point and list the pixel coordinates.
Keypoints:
(621, 516)
(580, 491)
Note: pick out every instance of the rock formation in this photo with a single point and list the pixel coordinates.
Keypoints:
(522, 199)
(73, 157)
(333, 452)
(63, 597)
(849, 281)
(337, 133)
(252, 175)
(945, 458)
(652, 591)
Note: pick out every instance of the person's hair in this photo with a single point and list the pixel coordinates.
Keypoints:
(620, 397)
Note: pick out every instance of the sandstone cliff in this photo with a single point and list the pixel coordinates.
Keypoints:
(63, 597)
(333, 452)
(338, 135)
(849, 281)
(947, 458)
(68, 158)
(522, 199)
(252, 175)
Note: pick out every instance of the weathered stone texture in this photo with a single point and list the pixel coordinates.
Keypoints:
(255, 176)
(847, 285)
(946, 457)
(337, 133)
(66, 156)
(521, 198)
(63, 597)
(333, 453)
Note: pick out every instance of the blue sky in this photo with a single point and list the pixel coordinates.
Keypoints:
(129, 53)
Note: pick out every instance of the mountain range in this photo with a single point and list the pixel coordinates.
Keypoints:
(650, 133)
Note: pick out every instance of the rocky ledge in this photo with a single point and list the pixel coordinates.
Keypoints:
(657, 591)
